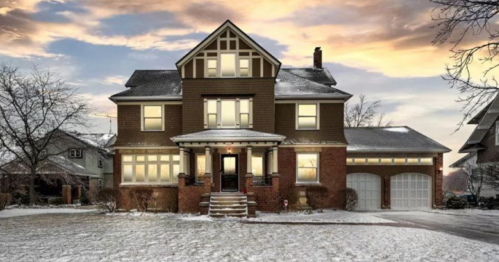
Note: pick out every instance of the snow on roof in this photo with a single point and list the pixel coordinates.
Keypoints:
(227, 135)
(390, 139)
(99, 140)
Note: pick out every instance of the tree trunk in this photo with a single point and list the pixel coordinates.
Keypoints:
(32, 190)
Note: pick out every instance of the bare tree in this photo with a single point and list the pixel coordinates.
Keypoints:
(455, 181)
(474, 179)
(490, 172)
(34, 107)
(470, 27)
(365, 114)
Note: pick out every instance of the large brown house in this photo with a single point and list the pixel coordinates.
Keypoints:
(231, 132)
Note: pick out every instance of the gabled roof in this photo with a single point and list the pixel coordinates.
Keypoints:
(228, 135)
(473, 143)
(52, 165)
(219, 30)
(292, 86)
(318, 75)
(463, 160)
(400, 139)
(152, 85)
(476, 119)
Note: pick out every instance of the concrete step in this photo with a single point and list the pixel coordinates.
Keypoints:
(228, 204)
(229, 215)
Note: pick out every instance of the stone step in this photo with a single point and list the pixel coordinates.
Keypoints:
(228, 210)
(229, 215)
(228, 204)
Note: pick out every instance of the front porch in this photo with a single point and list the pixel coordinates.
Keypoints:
(228, 162)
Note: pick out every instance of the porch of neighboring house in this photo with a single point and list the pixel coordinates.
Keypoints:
(225, 173)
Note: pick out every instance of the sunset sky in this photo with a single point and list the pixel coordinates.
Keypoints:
(380, 48)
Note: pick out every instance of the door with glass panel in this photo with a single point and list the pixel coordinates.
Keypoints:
(229, 174)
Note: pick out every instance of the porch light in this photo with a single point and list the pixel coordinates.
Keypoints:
(229, 150)
(440, 168)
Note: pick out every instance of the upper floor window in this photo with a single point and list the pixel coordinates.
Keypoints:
(152, 118)
(228, 113)
(497, 133)
(212, 67)
(307, 116)
(244, 67)
(228, 65)
(75, 153)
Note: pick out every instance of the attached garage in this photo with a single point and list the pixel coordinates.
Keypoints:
(410, 191)
(368, 187)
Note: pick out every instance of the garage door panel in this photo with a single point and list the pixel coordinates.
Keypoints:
(368, 187)
(410, 191)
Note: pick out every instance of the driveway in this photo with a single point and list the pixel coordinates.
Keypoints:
(472, 224)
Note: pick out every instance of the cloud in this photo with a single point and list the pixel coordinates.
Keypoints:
(118, 80)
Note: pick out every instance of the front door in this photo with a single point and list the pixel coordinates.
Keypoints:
(230, 179)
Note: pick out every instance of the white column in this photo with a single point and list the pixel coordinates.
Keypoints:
(274, 160)
(182, 161)
(207, 164)
(187, 162)
(249, 164)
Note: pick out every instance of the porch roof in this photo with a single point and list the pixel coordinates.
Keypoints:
(228, 135)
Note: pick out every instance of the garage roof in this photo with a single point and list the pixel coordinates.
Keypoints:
(390, 139)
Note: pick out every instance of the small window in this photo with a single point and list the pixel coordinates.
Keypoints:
(75, 153)
(307, 116)
(307, 168)
(99, 165)
(373, 161)
(212, 67)
(212, 113)
(244, 113)
(153, 118)
(228, 65)
(244, 67)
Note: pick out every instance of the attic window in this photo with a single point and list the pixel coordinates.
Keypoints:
(75, 153)
(244, 67)
(212, 67)
(228, 65)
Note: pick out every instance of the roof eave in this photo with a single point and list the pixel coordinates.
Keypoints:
(227, 139)
(398, 151)
(144, 98)
(292, 97)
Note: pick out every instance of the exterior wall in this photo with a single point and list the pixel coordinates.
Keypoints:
(386, 172)
(195, 90)
(491, 153)
(331, 123)
(332, 173)
(129, 127)
(167, 195)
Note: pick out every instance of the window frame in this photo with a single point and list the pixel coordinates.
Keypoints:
(263, 163)
(248, 68)
(317, 116)
(208, 67)
(173, 179)
(196, 169)
(220, 112)
(78, 153)
(317, 172)
(143, 118)
(235, 64)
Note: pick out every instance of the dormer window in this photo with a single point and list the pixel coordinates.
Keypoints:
(228, 65)
(228, 113)
(75, 153)
(212, 67)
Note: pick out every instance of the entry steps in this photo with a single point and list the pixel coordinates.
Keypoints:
(228, 205)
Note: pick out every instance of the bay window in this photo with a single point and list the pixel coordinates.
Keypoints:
(307, 116)
(150, 169)
(152, 118)
(228, 113)
(228, 65)
(307, 168)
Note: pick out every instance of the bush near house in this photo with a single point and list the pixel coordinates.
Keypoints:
(107, 198)
(140, 197)
(488, 203)
(317, 197)
(55, 201)
(5, 200)
(351, 199)
(456, 203)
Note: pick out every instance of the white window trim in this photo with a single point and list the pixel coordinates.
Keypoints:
(237, 113)
(317, 168)
(75, 153)
(239, 66)
(497, 133)
(142, 119)
(317, 113)
(158, 162)
(206, 74)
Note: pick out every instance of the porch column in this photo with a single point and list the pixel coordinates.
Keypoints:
(181, 161)
(249, 170)
(275, 176)
(274, 162)
(207, 171)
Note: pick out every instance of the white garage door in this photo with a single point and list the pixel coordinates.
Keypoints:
(368, 187)
(410, 191)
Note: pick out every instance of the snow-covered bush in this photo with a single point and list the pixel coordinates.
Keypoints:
(317, 197)
(351, 199)
(456, 203)
(4, 200)
(140, 197)
(107, 198)
(55, 201)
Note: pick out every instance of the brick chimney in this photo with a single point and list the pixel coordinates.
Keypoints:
(318, 57)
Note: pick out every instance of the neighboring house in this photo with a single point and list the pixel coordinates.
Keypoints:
(469, 164)
(230, 126)
(85, 155)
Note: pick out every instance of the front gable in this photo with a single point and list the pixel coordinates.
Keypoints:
(228, 53)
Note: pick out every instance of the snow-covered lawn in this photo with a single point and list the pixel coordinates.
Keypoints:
(95, 237)
(16, 212)
(328, 216)
(466, 212)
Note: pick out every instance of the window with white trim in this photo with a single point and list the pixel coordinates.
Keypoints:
(211, 67)
(244, 67)
(307, 116)
(152, 118)
(75, 153)
(257, 166)
(200, 168)
(228, 65)
(497, 133)
(307, 168)
(150, 169)
(228, 113)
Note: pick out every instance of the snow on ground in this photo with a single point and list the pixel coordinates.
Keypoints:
(95, 237)
(466, 212)
(16, 212)
(328, 216)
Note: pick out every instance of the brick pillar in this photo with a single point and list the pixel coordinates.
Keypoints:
(181, 192)
(439, 163)
(66, 194)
